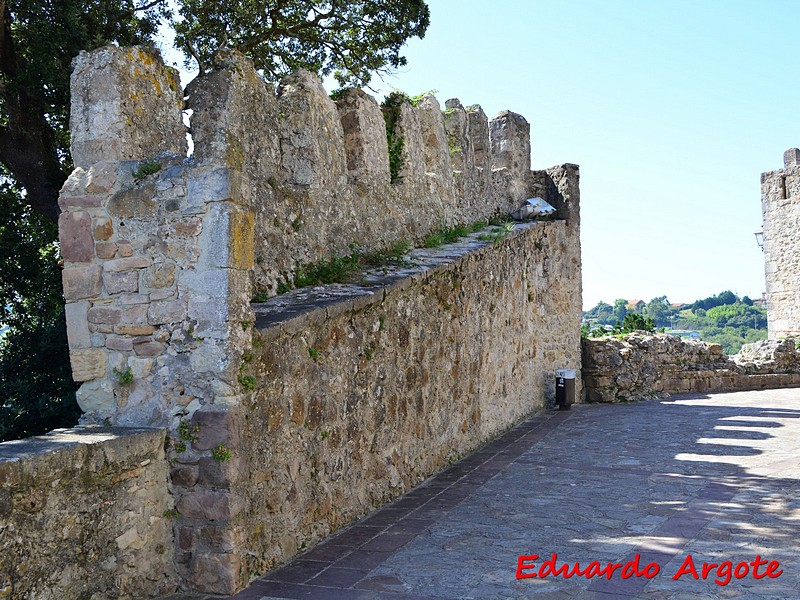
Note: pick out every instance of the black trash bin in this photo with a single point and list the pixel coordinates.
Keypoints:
(565, 388)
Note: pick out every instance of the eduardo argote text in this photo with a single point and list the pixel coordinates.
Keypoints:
(722, 573)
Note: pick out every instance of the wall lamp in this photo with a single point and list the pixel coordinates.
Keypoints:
(760, 239)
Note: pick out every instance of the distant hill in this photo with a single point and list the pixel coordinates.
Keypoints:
(725, 318)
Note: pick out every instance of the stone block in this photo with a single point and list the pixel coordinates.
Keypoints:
(105, 250)
(207, 505)
(221, 538)
(228, 238)
(81, 282)
(90, 201)
(133, 329)
(75, 234)
(184, 475)
(208, 186)
(103, 229)
(101, 177)
(126, 281)
(216, 573)
(88, 364)
(218, 474)
(166, 311)
(78, 324)
(126, 264)
(104, 314)
(159, 275)
(119, 343)
(148, 348)
(215, 427)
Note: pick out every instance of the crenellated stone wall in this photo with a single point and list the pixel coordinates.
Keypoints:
(641, 366)
(163, 254)
(780, 208)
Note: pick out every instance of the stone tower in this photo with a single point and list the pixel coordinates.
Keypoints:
(780, 207)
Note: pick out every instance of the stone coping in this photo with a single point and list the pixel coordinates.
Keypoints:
(294, 310)
(64, 439)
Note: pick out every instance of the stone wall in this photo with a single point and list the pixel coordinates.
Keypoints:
(82, 514)
(163, 254)
(780, 207)
(641, 366)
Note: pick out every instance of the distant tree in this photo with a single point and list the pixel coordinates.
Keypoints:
(620, 309)
(602, 312)
(658, 309)
(637, 322)
(747, 301)
(726, 297)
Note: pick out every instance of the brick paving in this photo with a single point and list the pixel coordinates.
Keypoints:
(714, 476)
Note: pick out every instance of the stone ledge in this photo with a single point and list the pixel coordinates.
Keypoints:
(296, 309)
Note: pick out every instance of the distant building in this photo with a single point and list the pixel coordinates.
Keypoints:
(635, 305)
(780, 208)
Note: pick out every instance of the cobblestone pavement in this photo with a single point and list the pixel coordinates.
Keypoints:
(715, 477)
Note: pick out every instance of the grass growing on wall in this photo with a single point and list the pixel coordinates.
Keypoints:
(347, 268)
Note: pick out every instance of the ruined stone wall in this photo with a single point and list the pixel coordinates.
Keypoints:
(780, 207)
(163, 254)
(641, 366)
(82, 514)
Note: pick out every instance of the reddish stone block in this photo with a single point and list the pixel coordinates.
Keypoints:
(105, 250)
(104, 314)
(121, 282)
(65, 202)
(75, 234)
(126, 264)
(81, 282)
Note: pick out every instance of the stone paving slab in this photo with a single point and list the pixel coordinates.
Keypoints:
(715, 476)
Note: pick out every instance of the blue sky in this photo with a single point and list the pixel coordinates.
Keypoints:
(672, 110)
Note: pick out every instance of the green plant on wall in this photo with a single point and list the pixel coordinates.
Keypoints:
(221, 453)
(124, 376)
(149, 167)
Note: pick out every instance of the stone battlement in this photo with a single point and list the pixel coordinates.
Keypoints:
(164, 252)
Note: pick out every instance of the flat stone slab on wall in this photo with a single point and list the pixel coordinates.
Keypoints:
(82, 515)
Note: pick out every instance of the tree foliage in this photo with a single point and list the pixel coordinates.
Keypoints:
(350, 39)
(36, 388)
